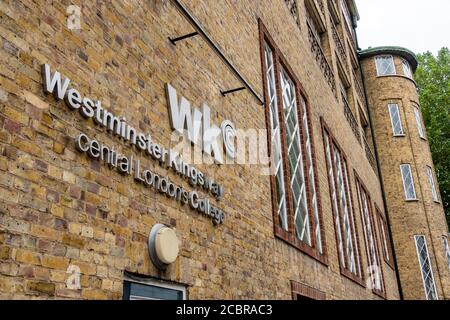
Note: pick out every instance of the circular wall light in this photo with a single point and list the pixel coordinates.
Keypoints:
(162, 246)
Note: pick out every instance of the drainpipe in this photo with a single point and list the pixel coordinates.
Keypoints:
(380, 175)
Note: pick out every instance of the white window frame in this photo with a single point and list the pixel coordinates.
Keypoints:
(297, 173)
(276, 145)
(370, 239)
(384, 239)
(431, 181)
(394, 109)
(407, 197)
(379, 74)
(347, 218)
(334, 196)
(419, 122)
(407, 70)
(311, 175)
(342, 204)
(421, 269)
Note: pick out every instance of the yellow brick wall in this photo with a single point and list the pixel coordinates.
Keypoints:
(422, 217)
(59, 208)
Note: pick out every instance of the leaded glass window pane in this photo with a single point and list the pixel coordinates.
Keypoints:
(352, 219)
(311, 175)
(396, 120)
(419, 123)
(447, 251)
(292, 161)
(295, 157)
(434, 193)
(277, 159)
(407, 71)
(343, 203)
(370, 240)
(426, 268)
(384, 240)
(408, 182)
(337, 220)
(385, 65)
(342, 207)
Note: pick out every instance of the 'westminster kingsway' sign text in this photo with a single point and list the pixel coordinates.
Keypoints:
(117, 125)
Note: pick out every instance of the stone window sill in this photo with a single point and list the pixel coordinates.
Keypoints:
(398, 76)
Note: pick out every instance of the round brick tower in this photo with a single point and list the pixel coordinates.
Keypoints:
(416, 215)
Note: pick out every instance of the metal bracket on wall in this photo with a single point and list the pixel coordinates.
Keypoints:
(216, 49)
(186, 36)
(224, 93)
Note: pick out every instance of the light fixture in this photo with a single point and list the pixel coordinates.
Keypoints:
(163, 246)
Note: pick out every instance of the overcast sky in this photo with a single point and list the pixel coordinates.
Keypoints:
(419, 25)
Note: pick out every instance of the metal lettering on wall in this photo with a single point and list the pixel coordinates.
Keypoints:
(117, 125)
(196, 121)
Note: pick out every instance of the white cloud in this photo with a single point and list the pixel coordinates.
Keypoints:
(419, 25)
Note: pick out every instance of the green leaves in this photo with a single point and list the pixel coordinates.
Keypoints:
(433, 79)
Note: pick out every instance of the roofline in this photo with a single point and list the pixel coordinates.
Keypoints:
(399, 51)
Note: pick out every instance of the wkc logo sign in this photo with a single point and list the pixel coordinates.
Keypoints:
(196, 124)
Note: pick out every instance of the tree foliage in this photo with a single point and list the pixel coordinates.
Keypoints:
(433, 79)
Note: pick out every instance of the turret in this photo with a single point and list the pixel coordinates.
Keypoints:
(416, 214)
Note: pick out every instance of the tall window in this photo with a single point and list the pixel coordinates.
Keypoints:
(348, 18)
(343, 211)
(419, 123)
(385, 240)
(385, 65)
(375, 273)
(281, 207)
(295, 156)
(408, 182)
(447, 250)
(295, 193)
(425, 268)
(407, 71)
(396, 120)
(311, 174)
(434, 192)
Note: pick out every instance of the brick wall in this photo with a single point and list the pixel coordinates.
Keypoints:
(408, 218)
(59, 208)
